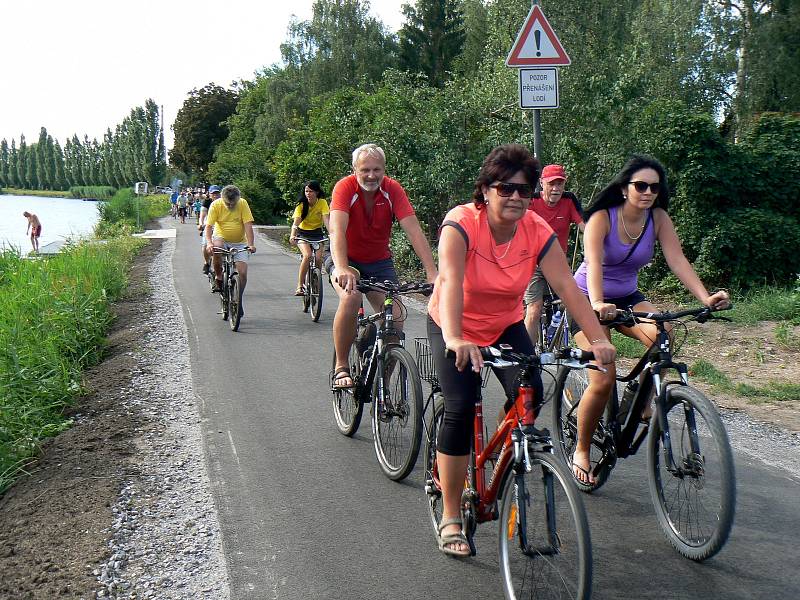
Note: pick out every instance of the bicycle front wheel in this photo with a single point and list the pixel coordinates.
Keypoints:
(397, 413)
(545, 546)
(223, 299)
(306, 297)
(347, 408)
(234, 302)
(695, 501)
(569, 388)
(315, 293)
(433, 490)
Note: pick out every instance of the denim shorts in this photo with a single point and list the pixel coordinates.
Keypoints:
(382, 270)
(242, 255)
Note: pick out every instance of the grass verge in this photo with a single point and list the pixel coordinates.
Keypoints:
(773, 392)
(43, 193)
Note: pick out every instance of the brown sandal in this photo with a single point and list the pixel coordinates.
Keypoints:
(338, 375)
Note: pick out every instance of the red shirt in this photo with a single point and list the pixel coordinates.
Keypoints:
(560, 217)
(494, 278)
(368, 236)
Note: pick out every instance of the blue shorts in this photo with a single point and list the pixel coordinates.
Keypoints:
(382, 270)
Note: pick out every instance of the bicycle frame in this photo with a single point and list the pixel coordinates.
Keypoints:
(383, 331)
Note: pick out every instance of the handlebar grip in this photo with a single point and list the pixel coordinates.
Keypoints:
(578, 354)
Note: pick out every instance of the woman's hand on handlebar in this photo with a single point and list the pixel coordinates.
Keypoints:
(718, 300)
(604, 352)
(346, 278)
(466, 353)
(604, 310)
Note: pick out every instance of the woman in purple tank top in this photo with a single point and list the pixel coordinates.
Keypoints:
(622, 225)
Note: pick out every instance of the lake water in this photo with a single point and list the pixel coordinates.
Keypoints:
(61, 218)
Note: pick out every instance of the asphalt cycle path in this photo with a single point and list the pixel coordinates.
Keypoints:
(307, 513)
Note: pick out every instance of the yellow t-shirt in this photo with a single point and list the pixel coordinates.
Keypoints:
(229, 224)
(313, 219)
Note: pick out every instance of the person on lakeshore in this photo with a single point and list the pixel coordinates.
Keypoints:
(560, 210)
(34, 229)
(363, 207)
(230, 225)
(213, 194)
(310, 214)
(488, 251)
(622, 226)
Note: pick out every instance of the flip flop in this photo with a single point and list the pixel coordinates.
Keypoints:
(452, 538)
(299, 292)
(338, 375)
(589, 479)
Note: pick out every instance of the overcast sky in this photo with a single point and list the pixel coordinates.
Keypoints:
(79, 66)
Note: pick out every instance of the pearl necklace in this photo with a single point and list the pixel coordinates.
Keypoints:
(641, 231)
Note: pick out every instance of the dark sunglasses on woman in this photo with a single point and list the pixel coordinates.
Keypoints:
(641, 186)
(506, 190)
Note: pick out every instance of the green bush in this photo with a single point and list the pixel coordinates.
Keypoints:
(125, 209)
(97, 192)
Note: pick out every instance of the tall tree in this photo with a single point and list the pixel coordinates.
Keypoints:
(200, 126)
(476, 28)
(22, 157)
(13, 160)
(432, 38)
(58, 167)
(42, 161)
(4, 163)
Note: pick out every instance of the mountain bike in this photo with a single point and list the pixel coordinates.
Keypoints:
(553, 323)
(312, 286)
(230, 295)
(385, 374)
(544, 542)
(689, 458)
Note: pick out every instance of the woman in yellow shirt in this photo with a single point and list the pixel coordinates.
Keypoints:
(309, 216)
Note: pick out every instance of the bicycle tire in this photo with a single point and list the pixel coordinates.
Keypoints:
(223, 298)
(569, 387)
(347, 407)
(234, 302)
(306, 297)
(397, 418)
(552, 564)
(316, 291)
(712, 494)
(433, 491)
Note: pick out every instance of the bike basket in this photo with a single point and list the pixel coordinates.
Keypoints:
(427, 370)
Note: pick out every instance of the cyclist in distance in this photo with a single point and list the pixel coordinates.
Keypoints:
(559, 209)
(622, 225)
(213, 194)
(363, 207)
(232, 224)
(309, 215)
(488, 251)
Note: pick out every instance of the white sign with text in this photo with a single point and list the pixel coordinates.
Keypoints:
(538, 88)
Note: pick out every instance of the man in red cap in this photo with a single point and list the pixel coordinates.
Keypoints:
(560, 209)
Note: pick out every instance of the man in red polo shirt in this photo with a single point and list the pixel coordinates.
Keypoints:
(560, 209)
(363, 207)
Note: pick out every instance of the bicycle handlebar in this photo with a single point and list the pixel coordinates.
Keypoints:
(628, 317)
(504, 357)
(234, 251)
(300, 238)
(369, 284)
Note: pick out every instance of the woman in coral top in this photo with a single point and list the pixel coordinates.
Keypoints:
(488, 251)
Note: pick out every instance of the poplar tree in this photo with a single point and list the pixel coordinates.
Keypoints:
(13, 160)
(42, 160)
(21, 161)
(59, 176)
(4, 163)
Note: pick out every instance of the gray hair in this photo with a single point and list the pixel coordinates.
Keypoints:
(231, 194)
(370, 150)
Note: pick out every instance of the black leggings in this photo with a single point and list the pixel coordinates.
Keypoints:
(461, 388)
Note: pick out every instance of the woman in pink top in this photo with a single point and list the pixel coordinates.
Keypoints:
(488, 251)
(622, 225)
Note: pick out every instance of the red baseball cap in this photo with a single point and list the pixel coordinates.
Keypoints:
(551, 172)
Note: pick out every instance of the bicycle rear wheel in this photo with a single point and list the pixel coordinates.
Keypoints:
(315, 293)
(234, 302)
(397, 413)
(347, 407)
(696, 504)
(569, 388)
(433, 490)
(545, 546)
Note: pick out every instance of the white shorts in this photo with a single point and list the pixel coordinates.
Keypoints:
(241, 256)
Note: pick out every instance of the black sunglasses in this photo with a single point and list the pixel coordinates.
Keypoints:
(506, 190)
(641, 186)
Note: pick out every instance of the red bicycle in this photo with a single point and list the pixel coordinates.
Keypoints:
(544, 543)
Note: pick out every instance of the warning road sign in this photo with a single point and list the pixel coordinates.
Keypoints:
(537, 44)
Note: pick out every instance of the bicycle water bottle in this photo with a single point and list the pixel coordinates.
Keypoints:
(555, 321)
(627, 400)
(529, 416)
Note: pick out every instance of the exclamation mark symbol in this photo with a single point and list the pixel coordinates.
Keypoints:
(537, 35)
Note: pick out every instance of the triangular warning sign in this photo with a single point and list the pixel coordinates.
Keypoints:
(537, 44)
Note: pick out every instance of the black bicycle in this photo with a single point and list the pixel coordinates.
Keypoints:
(230, 295)
(553, 323)
(383, 373)
(312, 286)
(689, 458)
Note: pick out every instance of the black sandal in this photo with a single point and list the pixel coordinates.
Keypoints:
(338, 375)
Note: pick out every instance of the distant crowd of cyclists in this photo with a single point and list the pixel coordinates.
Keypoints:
(495, 250)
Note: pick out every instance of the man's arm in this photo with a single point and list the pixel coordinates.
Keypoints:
(420, 244)
(248, 233)
(345, 276)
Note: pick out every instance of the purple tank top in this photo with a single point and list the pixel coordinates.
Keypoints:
(620, 276)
